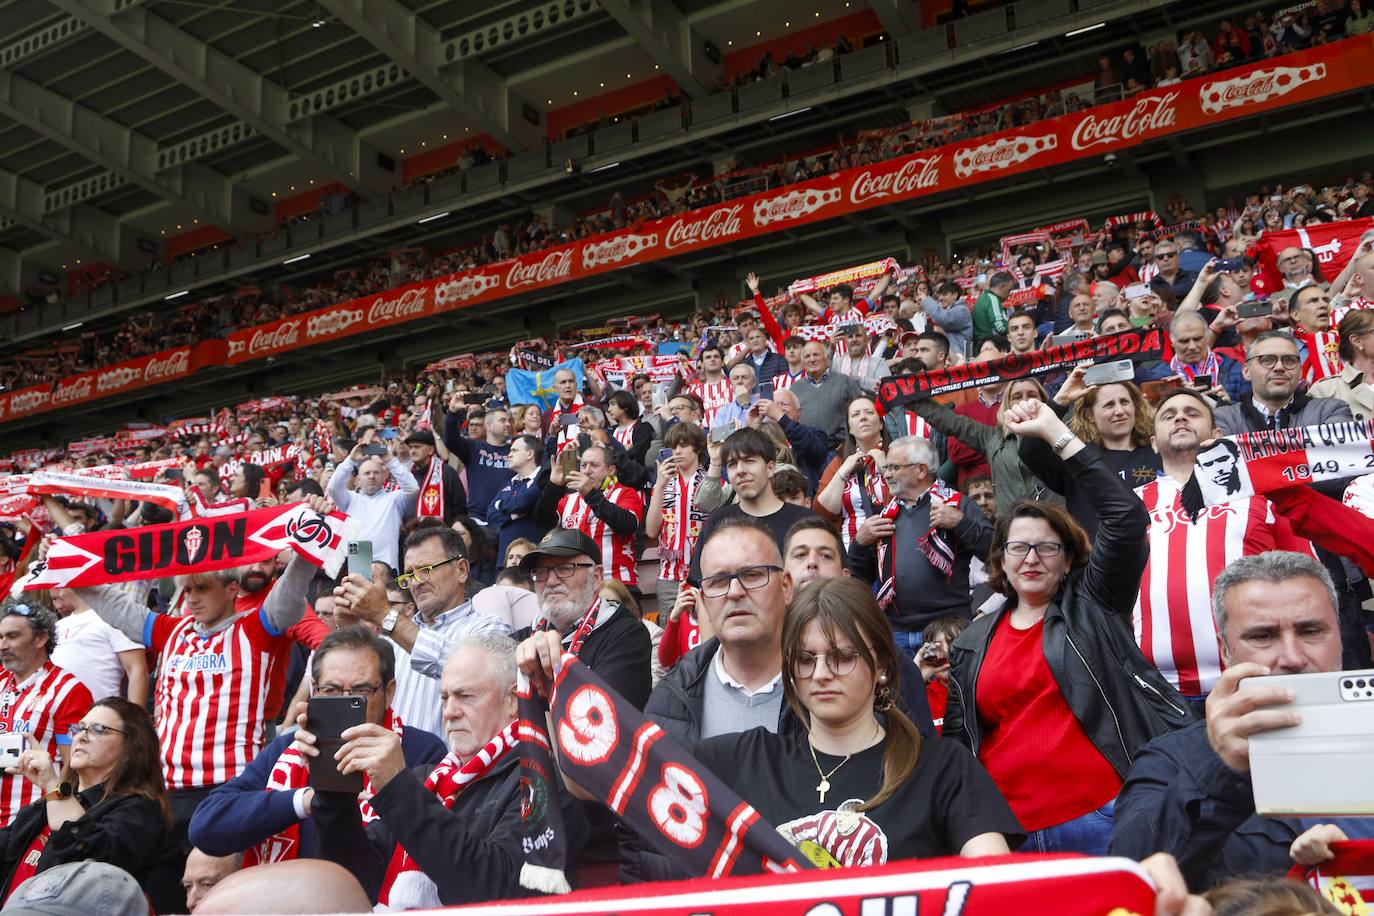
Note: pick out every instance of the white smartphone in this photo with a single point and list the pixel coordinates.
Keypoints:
(1137, 291)
(11, 746)
(1320, 767)
(1121, 370)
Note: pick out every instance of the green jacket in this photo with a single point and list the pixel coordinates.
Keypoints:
(989, 317)
(1011, 479)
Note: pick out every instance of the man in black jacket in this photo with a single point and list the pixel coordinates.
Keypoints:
(466, 852)
(1188, 793)
(567, 574)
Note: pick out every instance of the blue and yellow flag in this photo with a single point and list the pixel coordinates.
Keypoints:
(525, 387)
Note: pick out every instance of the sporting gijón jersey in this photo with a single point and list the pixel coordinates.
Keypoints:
(44, 707)
(617, 550)
(713, 396)
(1174, 626)
(211, 691)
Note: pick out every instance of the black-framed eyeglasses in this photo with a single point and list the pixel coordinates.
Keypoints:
(1270, 360)
(96, 730)
(421, 574)
(561, 570)
(751, 577)
(1042, 548)
(368, 691)
(841, 662)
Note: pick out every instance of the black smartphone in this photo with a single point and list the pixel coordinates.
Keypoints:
(1229, 265)
(374, 451)
(1257, 309)
(567, 419)
(766, 391)
(474, 398)
(328, 718)
(1202, 380)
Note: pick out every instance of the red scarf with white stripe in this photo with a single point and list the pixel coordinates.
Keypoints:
(1209, 366)
(682, 520)
(448, 779)
(430, 502)
(917, 425)
(292, 772)
(937, 545)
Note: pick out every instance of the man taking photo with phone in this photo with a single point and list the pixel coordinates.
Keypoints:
(376, 510)
(1189, 792)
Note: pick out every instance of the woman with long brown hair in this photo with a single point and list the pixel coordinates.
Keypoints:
(855, 784)
(108, 805)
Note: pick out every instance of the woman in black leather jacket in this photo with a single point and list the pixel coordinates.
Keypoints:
(1048, 687)
(109, 804)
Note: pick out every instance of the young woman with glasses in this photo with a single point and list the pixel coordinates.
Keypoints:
(854, 783)
(109, 804)
(1049, 688)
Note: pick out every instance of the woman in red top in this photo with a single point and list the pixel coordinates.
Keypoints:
(1050, 690)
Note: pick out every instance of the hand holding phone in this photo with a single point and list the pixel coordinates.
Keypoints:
(1121, 370)
(327, 718)
(360, 559)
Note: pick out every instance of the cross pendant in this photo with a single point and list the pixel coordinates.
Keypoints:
(823, 787)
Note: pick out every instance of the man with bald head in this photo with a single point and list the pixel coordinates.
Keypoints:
(1215, 375)
(299, 886)
(809, 444)
(376, 510)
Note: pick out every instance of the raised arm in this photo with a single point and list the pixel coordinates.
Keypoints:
(975, 435)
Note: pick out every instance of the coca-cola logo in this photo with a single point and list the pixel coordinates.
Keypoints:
(116, 379)
(611, 251)
(1258, 86)
(285, 335)
(30, 400)
(407, 305)
(720, 223)
(914, 175)
(235, 347)
(793, 205)
(331, 323)
(450, 291)
(1000, 154)
(554, 267)
(176, 363)
(77, 389)
(1146, 116)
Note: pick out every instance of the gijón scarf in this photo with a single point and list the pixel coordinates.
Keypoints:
(430, 501)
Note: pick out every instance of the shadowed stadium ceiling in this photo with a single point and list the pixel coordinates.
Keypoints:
(154, 114)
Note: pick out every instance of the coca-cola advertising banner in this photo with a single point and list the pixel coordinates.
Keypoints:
(1292, 79)
(111, 380)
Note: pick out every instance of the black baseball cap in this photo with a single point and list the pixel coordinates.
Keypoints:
(562, 543)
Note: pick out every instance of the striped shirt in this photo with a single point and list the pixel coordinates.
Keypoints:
(210, 694)
(856, 505)
(713, 396)
(785, 380)
(44, 707)
(617, 550)
(1173, 621)
(417, 671)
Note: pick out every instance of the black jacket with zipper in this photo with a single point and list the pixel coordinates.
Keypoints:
(1120, 699)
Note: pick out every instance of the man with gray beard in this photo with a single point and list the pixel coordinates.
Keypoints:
(614, 644)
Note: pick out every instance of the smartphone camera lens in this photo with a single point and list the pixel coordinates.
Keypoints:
(1349, 685)
(1360, 683)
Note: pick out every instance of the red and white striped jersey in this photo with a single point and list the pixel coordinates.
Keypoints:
(786, 379)
(44, 707)
(855, 504)
(681, 525)
(1173, 619)
(617, 550)
(714, 396)
(914, 425)
(210, 695)
(625, 435)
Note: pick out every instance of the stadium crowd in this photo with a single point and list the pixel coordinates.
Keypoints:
(984, 621)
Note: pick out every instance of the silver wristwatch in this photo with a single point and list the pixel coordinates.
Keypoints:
(389, 621)
(1062, 442)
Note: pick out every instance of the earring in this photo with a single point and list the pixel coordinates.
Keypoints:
(882, 678)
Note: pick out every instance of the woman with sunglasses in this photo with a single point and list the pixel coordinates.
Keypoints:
(108, 805)
(854, 783)
(1047, 685)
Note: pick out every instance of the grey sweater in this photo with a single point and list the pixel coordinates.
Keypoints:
(824, 406)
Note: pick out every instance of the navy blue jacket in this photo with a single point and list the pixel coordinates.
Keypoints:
(241, 813)
(773, 365)
(517, 498)
(810, 447)
(1181, 799)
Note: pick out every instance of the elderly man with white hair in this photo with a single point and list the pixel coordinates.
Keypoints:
(451, 835)
(376, 510)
